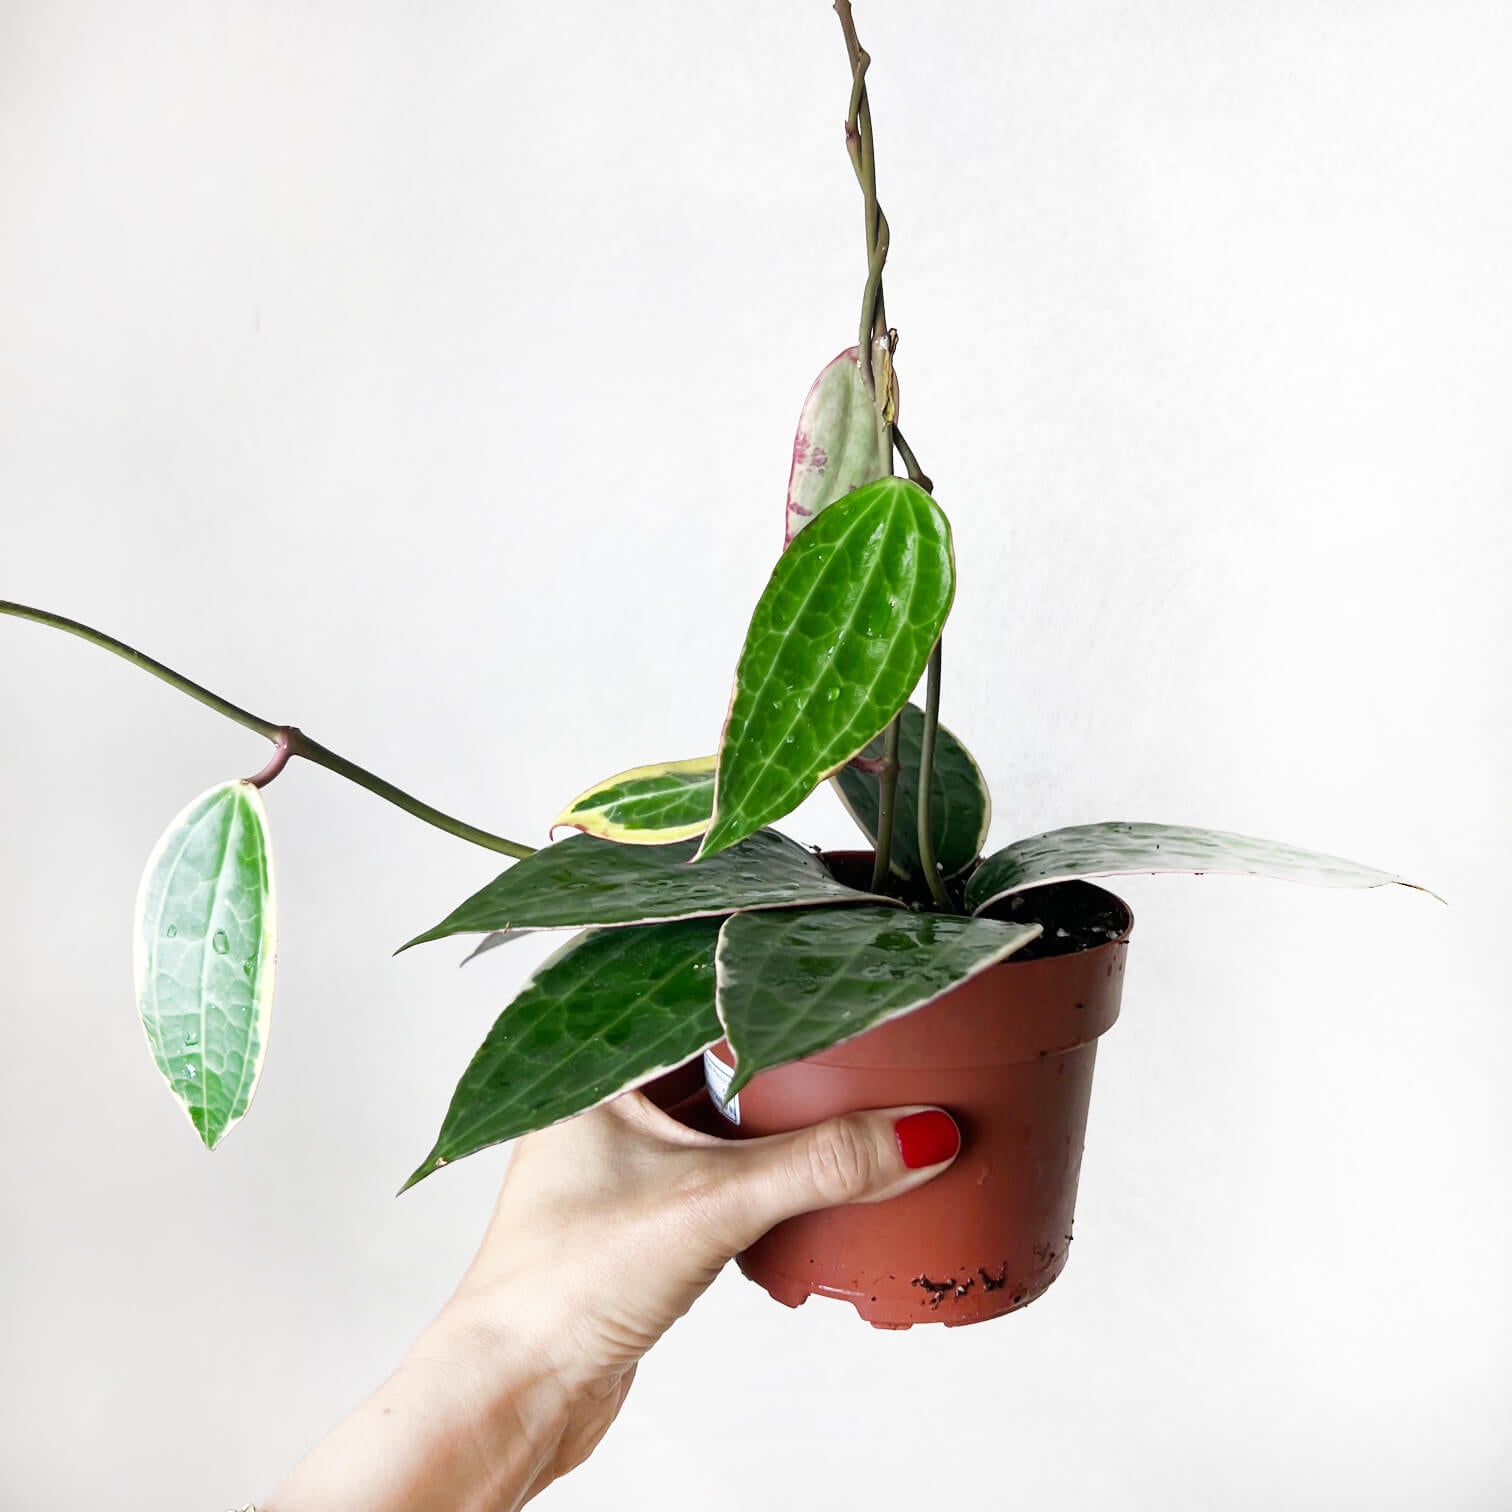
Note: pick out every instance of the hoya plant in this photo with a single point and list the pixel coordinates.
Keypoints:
(689, 917)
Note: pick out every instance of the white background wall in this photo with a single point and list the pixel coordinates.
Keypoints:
(426, 375)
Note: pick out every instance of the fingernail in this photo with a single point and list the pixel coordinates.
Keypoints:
(926, 1139)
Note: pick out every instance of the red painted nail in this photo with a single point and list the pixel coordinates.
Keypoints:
(926, 1139)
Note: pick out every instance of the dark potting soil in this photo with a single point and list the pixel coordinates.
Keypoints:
(1075, 915)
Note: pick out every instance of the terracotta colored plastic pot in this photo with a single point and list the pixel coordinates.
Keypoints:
(1009, 1054)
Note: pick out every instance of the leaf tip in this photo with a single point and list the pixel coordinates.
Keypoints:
(420, 939)
(569, 818)
(739, 1079)
(711, 844)
(427, 1167)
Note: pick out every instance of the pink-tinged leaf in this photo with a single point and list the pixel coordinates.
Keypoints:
(842, 442)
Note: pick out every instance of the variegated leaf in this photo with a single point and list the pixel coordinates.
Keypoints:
(792, 984)
(206, 941)
(612, 1009)
(582, 881)
(1116, 849)
(647, 805)
(841, 442)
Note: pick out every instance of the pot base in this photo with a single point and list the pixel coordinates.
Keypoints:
(982, 1239)
(952, 1300)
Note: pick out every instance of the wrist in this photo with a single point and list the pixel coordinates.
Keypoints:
(468, 1421)
(498, 1404)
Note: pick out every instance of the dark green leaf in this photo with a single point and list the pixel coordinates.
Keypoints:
(612, 1009)
(581, 881)
(792, 984)
(1109, 850)
(206, 941)
(960, 812)
(839, 639)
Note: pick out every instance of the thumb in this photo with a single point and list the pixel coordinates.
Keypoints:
(859, 1157)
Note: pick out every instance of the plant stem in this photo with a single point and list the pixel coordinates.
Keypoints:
(290, 740)
(264, 727)
(887, 801)
(312, 750)
(873, 339)
(927, 860)
(916, 474)
(282, 750)
(928, 739)
(860, 147)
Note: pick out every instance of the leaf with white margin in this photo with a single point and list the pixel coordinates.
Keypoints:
(581, 881)
(206, 942)
(611, 1010)
(1118, 849)
(647, 805)
(840, 444)
(792, 984)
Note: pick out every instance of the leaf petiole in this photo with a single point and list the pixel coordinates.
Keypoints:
(290, 740)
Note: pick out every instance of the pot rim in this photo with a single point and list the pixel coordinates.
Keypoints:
(865, 857)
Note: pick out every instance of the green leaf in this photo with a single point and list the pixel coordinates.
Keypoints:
(792, 984)
(648, 805)
(493, 940)
(1109, 850)
(206, 941)
(582, 881)
(838, 641)
(841, 444)
(959, 813)
(612, 1009)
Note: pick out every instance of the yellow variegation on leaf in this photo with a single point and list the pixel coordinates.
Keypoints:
(646, 805)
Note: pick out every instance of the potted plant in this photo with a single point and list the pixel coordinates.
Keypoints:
(706, 942)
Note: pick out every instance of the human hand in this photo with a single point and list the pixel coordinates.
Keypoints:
(607, 1229)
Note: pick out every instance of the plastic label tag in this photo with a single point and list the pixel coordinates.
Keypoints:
(717, 1078)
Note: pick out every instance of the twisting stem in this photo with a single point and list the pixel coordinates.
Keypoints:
(927, 860)
(873, 338)
(859, 145)
(289, 740)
